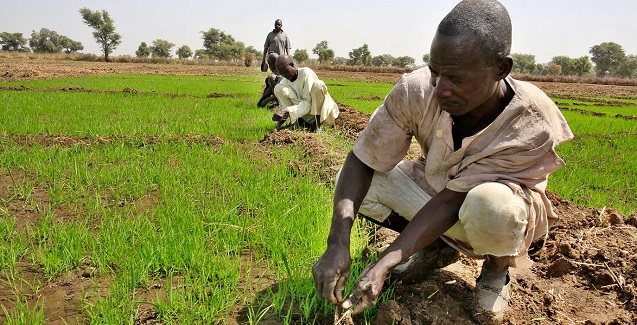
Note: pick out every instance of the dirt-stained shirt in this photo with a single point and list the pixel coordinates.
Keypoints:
(277, 42)
(516, 149)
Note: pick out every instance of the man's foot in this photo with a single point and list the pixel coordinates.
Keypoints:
(492, 296)
(435, 256)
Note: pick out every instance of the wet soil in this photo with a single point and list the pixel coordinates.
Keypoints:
(584, 271)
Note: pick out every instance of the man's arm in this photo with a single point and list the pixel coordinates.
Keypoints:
(436, 217)
(332, 270)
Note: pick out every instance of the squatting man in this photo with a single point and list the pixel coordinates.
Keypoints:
(302, 97)
(488, 146)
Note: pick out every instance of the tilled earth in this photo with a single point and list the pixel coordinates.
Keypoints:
(584, 270)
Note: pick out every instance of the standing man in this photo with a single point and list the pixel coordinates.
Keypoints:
(302, 96)
(488, 146)
(276, 43)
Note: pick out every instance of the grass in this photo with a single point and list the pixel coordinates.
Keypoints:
(141, 212)
(154, 207)
(365, 97)
(120, 113)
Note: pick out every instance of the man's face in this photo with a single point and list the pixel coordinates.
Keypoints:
(288, 71)
(460, 75)
(278, 25)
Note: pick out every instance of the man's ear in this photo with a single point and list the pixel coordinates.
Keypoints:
(504, 67)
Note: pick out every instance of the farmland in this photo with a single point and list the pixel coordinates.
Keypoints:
(143, 194)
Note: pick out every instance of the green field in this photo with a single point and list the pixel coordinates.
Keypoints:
(169, 198)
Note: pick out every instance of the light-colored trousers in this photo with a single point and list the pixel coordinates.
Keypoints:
(321, 103)
(492, 219)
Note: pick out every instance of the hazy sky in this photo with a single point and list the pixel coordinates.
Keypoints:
(545, 28)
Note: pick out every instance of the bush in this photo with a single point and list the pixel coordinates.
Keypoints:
(248, 58)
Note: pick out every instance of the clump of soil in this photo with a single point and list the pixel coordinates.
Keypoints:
(583, 273)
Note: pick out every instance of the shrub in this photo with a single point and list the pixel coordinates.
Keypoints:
(248, 58)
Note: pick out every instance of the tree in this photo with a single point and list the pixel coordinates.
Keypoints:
(403, 61)
(582, 65)
(339, 60)
(49, 41)
(184, 52)
(523, 63)
(13, 42)
(161, 48)
(104, 27)
(143, 51)
(628, 68)
(383, 60)
(222, 46)
(555, 69)
(426, 58)
(565, 62)
(71, 46)
(571, 66)
(300, 55)
(360, 56)
(541, 69)
(251, 49)
(324, 53)
(200, 54)
(607, 57)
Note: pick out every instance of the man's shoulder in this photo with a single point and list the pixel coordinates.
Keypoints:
(307, 71)
(272, 34)
(417, 75)
(414, 83)
(530, 93)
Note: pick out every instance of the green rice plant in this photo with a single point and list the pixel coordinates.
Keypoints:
(606, 106)
(365, 97)
(12, 247)
(58, 247)
(150, 203)
(21, 313)
(200, 86)
(599, 172)
(81, 114)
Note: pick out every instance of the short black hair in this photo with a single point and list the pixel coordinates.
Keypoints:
(487, 20)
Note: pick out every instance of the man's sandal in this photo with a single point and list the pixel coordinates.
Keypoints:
(492, 297)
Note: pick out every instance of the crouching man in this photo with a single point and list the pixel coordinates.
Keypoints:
(302, 97)
(488, 146)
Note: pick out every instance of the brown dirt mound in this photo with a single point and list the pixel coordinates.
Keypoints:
(584, 273)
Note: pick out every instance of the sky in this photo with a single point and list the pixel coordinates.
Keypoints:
(544, 28)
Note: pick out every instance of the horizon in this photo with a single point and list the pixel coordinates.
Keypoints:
(542, 28)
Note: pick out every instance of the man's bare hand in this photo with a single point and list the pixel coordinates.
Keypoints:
(366, 290)
(330, 273)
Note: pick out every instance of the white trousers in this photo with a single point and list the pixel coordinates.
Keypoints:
(492, 219)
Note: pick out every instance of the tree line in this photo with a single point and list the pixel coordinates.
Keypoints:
(609, 58)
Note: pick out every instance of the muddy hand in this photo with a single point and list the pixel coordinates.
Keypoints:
(366, 290)
(330, 273)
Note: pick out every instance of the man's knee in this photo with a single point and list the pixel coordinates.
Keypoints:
(283, 91)
(494, 219)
